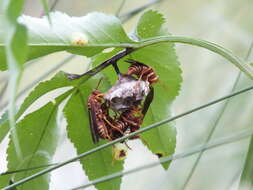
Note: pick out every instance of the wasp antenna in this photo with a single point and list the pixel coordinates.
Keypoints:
(99, 82)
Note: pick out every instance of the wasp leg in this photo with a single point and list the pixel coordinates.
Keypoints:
(135, 137)
(129, 121)
(112, 126)
(127, 145)
(99, 96)
(107, 136)
(141, 75)
(152, 80)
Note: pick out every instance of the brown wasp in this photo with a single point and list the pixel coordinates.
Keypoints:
(125, 98)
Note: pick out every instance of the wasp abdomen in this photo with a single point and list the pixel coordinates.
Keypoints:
(143, 72)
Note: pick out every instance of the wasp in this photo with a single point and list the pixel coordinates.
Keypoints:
(125, 98)
(97, 113)
(100, 121)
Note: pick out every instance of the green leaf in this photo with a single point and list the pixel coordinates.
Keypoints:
(16, 50)
(12, 9)
(58, 81)
(246, 182)
(251, 64)
(90, 31)
(4, 117)
(162, 57)
(4, 126)
(38, 137)
(100, 163)
(3, 65)
(150, 25)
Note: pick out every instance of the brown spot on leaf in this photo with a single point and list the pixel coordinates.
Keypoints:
(122, 153)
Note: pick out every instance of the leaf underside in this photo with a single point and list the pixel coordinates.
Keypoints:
(96, 28)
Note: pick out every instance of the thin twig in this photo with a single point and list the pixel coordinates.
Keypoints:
(219, 142)
(103, 65)
(155, 125)
(214, 126)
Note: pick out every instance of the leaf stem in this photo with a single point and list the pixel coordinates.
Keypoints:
(246, 68)
(157, 124)
(204, 44)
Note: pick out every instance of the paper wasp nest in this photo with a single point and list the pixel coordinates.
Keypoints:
(127, 92)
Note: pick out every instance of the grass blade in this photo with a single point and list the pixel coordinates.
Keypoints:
(221, 141)
(16, 50)
(46, 9)
(213, 128)
(246, 182)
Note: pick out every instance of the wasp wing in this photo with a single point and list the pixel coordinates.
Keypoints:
(148, 100)
(93, 125)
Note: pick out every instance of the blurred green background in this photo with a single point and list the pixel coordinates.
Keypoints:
(207, 76)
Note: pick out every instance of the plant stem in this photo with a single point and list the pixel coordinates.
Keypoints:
(246, 68)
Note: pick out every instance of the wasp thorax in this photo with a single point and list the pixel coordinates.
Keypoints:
(119, 151)
(127, 92)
